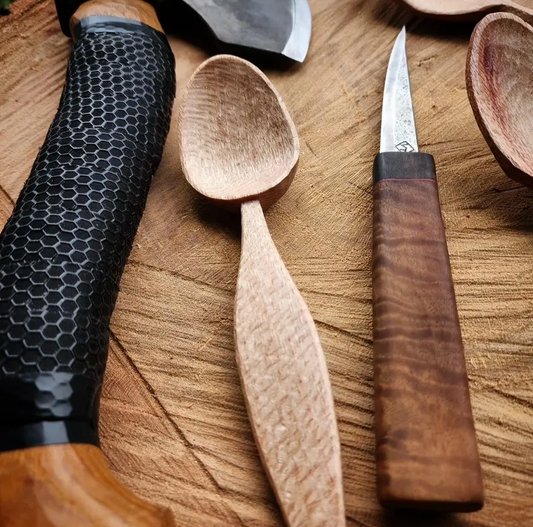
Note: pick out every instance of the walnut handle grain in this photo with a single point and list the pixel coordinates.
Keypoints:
(426, 449)
(286, 384)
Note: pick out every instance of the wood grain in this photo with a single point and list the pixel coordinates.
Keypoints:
(499, 78)
(173, 421)
(426, 448)
(137, 10)
(468, 9)
(239, 145)
(61, 485)
(238, 141)
(286, 383)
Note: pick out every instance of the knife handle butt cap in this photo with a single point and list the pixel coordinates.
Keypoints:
(426, 449)
(69, 485)
(135, 10)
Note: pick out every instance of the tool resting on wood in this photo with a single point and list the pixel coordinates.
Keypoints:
(240, 149)
(426, 445)
(62, 254)
(426, 449)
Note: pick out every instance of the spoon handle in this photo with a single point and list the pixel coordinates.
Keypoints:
(519, 10)
(286, 384)
(426, 447)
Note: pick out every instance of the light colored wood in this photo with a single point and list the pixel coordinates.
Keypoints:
(499, 79)
(286, 384)
(468, 9)
(239, 145)
(61, 485)
(238, 141)
(174, 426)
(137, 10)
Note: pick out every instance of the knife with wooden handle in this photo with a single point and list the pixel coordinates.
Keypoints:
(62, 254)
(426, 449)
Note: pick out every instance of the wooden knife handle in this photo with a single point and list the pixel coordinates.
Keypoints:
(426, 447)
(286, 384)
(62, 254)
(69, 486)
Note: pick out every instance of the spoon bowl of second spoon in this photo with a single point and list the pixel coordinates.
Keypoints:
(468, 9)
(499, 81)
(232, 150)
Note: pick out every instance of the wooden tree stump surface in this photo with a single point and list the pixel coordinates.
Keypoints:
(173, 421)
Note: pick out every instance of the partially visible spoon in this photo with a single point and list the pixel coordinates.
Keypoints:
(467, 9)
(499, 75)
(240, 149)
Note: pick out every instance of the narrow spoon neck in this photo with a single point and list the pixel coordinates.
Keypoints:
(253, 218)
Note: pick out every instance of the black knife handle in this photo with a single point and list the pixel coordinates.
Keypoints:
(63, 251)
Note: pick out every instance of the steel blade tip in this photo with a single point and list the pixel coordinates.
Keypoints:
(398, 130)
(403, 34)
(399, 46)
(401, 41)
(298, 43)
(398, 50)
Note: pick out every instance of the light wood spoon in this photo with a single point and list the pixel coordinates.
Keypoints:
(468, 9)
(239, 148)
(499, 75)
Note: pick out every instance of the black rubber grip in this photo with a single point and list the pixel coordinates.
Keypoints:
(63, 251)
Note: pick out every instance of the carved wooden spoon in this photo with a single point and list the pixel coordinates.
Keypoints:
(467, 9)
(239, 148)
(499, 79)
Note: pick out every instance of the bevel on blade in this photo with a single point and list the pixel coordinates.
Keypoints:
(298, 43)
(398, 131)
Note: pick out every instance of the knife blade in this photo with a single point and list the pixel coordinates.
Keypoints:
(426, 449)
(280, 27)
(398, 129)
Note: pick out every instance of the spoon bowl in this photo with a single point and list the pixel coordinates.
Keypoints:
(234, 151)
(500, 87)
(468, 9)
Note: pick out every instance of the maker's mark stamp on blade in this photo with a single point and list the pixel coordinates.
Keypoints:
(404, 146)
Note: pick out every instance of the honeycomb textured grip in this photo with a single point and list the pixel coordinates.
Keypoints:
(63, 251)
